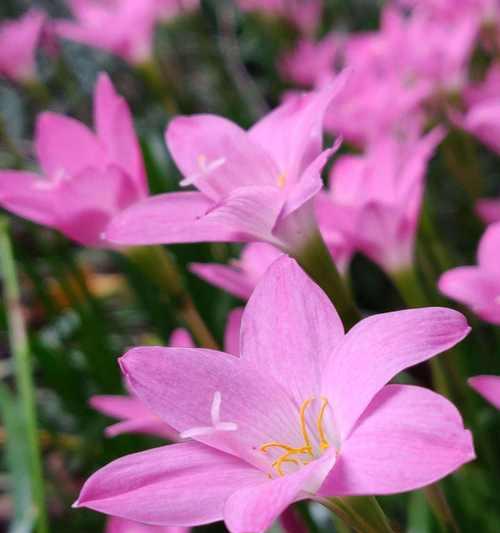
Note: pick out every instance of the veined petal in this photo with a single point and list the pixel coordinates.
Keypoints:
(232, 333)
(162, 486)
(116, 524)
(64, 146)
(115, 128)
(289, 329)
(165, 378)
(28, 195)
(217, 156)
(379, 347)
(254, 508)
(407, 438)
(488, 387)
(227, 277)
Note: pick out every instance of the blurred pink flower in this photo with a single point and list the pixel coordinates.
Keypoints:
(115, 524)
(375, 198)
(19, 40)
(304, 14)
(134, 415)
(488, 387)
(306, 413)
(254, 185)
(122, 27)
(489, 210)
(240, 277)
(478, 287)
(86, 177)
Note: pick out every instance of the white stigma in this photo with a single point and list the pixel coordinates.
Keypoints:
(205, 169)
(217, 424)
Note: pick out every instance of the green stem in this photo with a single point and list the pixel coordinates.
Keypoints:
(159, 266)
(23, 371)
(437, 500)
(159, 87)
(363, 514)
(316, 260)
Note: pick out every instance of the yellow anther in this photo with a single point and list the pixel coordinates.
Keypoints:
(282, 180)
(323, 441)
(303, 423)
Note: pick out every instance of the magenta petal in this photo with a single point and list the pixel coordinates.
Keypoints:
(231, 279)
(290, 329)
(65, 147)
(379, 347)
(28, 195)
(181, 338)
(165, 378)
(116, 524)
(162, 486)
(254, 508)
(489, 210)
(407, 438)
(488, 387)
(232, 333)
(115, 128)
(489, 248)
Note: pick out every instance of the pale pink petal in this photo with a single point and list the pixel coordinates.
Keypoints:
(488, 387)
(218, 156)
(232, 333)
(379, 347)
(115, 524)
(165, 380)
(290, 329)
(28, 195)
(476, 288)
(163, 486)
(181, 338)
(293, 133)
(488, 253)
(249, 213)
(227, 277)
(407, 438)
(151, 425)
(254, 508)
(65, 147)
(115, 128)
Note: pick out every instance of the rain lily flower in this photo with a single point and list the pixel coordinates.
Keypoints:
(488, 387)
(86, 177)
(240, 277)
(19, 40)
(115, 524)
(310, 410)
(254, 185)
(122, 27)
(375, 198)
(478, 287)
(134, 415)
(482, 121)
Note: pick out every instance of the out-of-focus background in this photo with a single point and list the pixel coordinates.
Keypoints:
(84, 307)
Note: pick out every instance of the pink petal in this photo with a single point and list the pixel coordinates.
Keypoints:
(197, 141)
(165, 378)
(489, 248)
(488, 387)
(232, 333)
(226, 277)
(254, 508)
(183, 484)
(290, 329)
(407, 438)
(26, 195)
(293, 133)
(247, 214)
(181, 338)
(489, 210)
(65, 146)
(151, 425)
(120, 525)
(115, 129)
(379, 347)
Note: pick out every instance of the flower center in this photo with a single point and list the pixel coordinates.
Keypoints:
(295, 455)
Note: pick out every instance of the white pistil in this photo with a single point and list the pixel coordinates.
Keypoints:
(205, 169)
(217, 425)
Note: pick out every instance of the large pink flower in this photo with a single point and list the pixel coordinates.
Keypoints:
(115, 524)
(375, 198)
(303, 412)
(254, 185)
(478, 286)
(19, 40)
(488, 387)
(86, 177)
(134, 415)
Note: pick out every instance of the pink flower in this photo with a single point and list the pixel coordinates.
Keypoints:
(313, 414)
(122, 27)
(478, 286)
(134, 415)
(115, 524)
(488, 387)
(240, 277)
(252, 186)
(482, 121)
(375, 199)
(86, 177)
(489, 210)
(19, 40)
